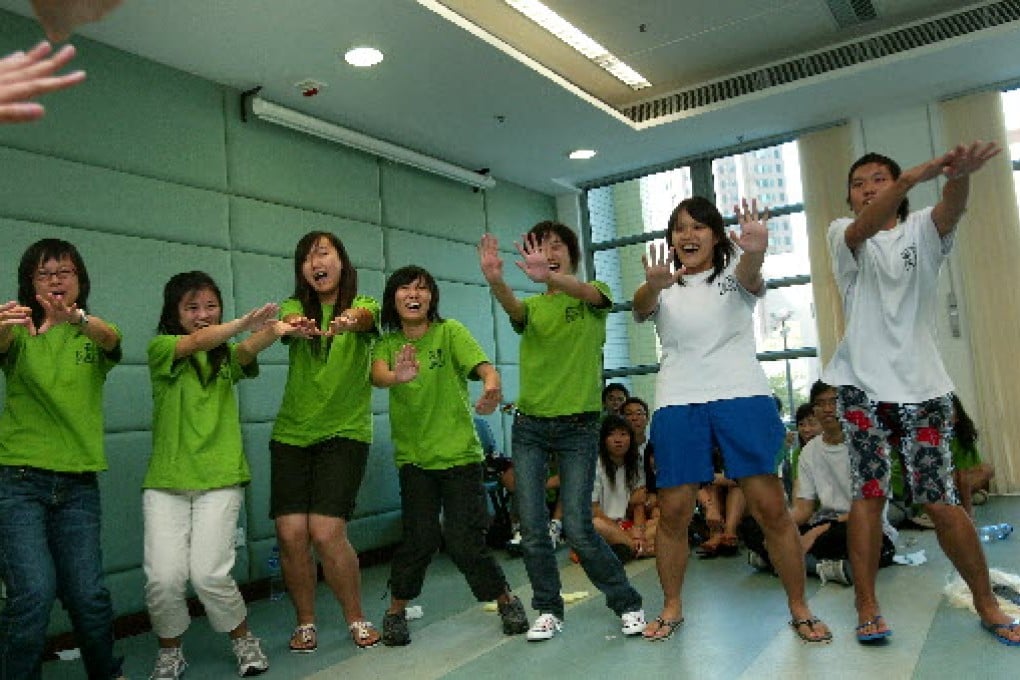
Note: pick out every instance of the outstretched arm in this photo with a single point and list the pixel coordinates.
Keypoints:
(966, 160)
(492, 269)
(204, 339)
(27, 75)
(753, 241)
(405, 368)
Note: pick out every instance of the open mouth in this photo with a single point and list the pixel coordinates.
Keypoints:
(554, 266)
(202, 324)
(690, 248)
(413, 306)
(319, 275)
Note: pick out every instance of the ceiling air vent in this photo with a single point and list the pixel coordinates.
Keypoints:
(871, 48)
(849, 13)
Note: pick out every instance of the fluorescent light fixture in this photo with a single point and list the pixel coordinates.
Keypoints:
(363, 56)
(579, 41)
(581, 154)
(295, 120)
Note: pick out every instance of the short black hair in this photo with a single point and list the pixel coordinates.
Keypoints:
(635, 400)
(43, 251)
(817, 389)
(614, 387)
(894, 169)
(804, 411)
(541, 230)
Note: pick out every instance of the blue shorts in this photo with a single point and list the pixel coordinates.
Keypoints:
(747, 431)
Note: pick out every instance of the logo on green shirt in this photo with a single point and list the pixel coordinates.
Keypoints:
(436, 358)
(574, 312)
(86, 355)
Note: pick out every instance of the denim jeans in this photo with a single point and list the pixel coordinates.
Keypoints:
(574, 441)
(49, 548)
(459, 495)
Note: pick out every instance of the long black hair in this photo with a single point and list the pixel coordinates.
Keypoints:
(306, 295)
(894, 169)
(631, 459)
(35, 255)
(403, 277)
(704, 211)
(175, 290)
(964, 430)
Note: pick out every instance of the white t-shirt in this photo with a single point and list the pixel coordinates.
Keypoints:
(890, 299)
(615, 499)
(707, 338)
(823, 474)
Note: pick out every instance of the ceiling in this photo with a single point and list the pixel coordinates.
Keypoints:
(471, 98)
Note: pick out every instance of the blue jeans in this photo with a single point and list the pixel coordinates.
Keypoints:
(49, 548)
(574, 440)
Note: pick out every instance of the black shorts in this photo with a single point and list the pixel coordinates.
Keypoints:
(320, 479)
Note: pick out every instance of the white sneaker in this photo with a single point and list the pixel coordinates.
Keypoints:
(633, 622)
(556, 533)
(251, 660)
(545, 627)
(757, 561)
(836, 571)
(170, 664)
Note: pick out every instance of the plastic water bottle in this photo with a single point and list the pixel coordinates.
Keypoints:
(995, 532)
(277, 589)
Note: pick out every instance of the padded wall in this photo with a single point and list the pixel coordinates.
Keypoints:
(150, 171)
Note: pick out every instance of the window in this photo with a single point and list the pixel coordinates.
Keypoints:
(626, 216)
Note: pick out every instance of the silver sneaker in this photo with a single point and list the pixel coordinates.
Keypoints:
(251, 660)
(544, 628)
(633, 622)
(837, 571)
(170, 664)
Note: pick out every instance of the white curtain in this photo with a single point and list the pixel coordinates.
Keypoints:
(988, 251)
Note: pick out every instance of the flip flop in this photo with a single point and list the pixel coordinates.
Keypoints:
(866, 638)
(361, 633)
(997, 629)
(670, 625)
(304, 640)
(810, 623)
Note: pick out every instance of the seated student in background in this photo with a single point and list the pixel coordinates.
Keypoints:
(807, 429)
(618, 499)
(635, 412)
(613, 396)
(970, 474)
(723, 506)
(822, 506)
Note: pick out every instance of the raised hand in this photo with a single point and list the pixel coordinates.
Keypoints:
(405, 364)
(658, 274)
(754, 232)
(488, 401)
(489, 259)
(56, 312)
(535, 265)
(966, 160)
(26, 75)
(14, 314)
(258, 318)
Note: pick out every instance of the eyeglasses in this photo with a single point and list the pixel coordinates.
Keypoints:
(62, 274)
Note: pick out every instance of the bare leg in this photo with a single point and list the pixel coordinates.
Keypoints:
(960, 543)
(677, 506)
(339, 563)
(298, 565)
(767, 502)
(864, 538)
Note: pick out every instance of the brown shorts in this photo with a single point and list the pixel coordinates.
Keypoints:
(320, 479)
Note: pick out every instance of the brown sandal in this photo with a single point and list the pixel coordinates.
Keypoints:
(304, 639)
(364, 634)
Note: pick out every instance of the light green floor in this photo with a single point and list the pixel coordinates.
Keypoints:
(736, 628)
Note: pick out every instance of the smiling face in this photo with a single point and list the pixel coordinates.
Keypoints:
(198, 309)
(808, 428)
(618, 443)
(413, 302)
(321, 269)
(556, 254)
(694, 243)
(58, 278)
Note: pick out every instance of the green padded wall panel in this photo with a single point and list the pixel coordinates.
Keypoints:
(511, 210)
(431, 204)
(460, 260)
(121, 487)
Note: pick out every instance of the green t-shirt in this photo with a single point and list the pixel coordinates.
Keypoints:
(431, 421)
(329, 394)
(53, 417)
(561, 354)
(196, 428)
(964, 458)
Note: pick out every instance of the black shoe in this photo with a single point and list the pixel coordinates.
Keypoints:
(394, 630)
(513, 617)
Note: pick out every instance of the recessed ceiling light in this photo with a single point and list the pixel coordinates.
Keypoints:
(578, 40)
(363, 56)
(581, 154)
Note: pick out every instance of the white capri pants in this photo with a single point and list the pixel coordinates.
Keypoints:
(189, 535)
